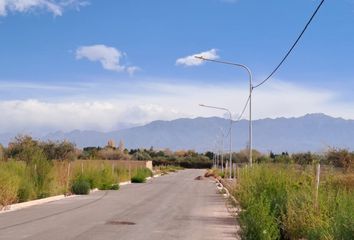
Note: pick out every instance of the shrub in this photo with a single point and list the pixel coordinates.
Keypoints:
(138, 179)
(141, 175)
(81, 186)
(114, 186)
(340, 158)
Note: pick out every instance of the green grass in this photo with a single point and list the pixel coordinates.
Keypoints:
(279, 203)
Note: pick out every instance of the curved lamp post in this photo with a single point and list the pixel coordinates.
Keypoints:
(230, 146)
(250, 96)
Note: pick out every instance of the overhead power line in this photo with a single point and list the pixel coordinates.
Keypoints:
(244, 108)
(292, 47)
(241, 114)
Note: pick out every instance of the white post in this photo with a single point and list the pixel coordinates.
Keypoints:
(68, 177)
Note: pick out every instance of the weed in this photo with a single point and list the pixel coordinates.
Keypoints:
(80, 186)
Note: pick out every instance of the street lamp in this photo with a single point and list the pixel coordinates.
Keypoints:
(250, 96)
(221, 151)
(230, 129)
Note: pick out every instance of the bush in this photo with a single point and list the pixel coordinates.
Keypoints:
(141, 175)
(138, 179)
(115, 187)
(81, 187)
(340, 158)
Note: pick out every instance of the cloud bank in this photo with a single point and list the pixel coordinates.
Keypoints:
(56, 7)
(167, 102)
(109, 57)
(193, 61)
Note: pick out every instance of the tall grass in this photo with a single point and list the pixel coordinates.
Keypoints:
(20, 181)
(279, 203)
(141, 175)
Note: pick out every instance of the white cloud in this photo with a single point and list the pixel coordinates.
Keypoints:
(56, 7)
(193, 61)
(167, 102)
(109, 57)
(26, 115)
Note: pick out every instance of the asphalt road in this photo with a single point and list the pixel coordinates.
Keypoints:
(170, 207)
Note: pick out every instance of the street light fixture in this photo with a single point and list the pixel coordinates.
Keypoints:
(230, 130)
(250, 96)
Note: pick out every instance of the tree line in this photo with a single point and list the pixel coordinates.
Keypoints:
(27, 149)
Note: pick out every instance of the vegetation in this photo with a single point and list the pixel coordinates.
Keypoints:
(167, 169)
(80, 186)
(184, 159)
(2, 153)
(279, 203)
(141, 175)
(30, 169)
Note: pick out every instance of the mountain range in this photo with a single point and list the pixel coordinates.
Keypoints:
(312, 132)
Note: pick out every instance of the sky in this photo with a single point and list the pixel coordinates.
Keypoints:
(105, 64)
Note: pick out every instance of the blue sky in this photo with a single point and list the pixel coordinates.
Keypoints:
(69, 63)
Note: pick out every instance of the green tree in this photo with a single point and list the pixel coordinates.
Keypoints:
(23, 148)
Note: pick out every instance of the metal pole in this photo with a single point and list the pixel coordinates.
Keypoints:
(230, 130)
(250, 96)
(230, 162)
(222, 154)
(250, 123)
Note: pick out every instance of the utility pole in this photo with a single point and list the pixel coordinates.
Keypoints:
(230, 131)
(250, 97)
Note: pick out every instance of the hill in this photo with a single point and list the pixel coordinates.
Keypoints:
(312, 132)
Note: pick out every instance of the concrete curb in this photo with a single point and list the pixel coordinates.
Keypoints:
(220, 187)
(235, 209)
(125, 183)
(18, 206)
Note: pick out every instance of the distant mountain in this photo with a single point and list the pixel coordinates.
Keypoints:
(312, 132)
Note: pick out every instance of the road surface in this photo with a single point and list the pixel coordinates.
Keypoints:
(174, 206)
